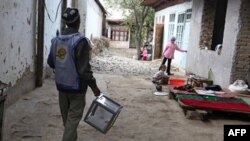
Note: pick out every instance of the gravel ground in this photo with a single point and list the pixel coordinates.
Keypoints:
(121, 65)
(114, 62)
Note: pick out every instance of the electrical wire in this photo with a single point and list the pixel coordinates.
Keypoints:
(53, 21)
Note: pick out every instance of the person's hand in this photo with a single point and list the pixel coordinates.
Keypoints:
(96, 92)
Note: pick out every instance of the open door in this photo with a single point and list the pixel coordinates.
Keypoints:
(158, 41)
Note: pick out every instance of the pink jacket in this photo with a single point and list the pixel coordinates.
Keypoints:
(170, 49)
(145, 53)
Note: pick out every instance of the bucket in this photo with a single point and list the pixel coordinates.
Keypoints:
(177, 82)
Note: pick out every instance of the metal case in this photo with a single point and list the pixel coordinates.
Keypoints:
(102, 113)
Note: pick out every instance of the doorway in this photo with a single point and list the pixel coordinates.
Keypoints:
(158, 41)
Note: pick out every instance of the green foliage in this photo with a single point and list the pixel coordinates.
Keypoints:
(139, 18)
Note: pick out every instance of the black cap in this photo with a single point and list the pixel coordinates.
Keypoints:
(70, 15)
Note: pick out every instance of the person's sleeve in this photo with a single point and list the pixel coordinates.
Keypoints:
(50, 60)
(161, 75)
(157, 75)
(179, 49)
(83, 66)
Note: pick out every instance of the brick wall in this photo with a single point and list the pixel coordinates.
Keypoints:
(207, 25)
(241, 61)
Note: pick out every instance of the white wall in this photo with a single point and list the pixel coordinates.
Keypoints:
(82, 7)
(109, 31)
(17, 38)
(200, 61)
(177, 9)
(91, 18)
(50, 27)
(118, 44)
(69, 3)
(94, 19)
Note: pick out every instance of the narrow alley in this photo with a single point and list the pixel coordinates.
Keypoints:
(180, 69)
(144, 117)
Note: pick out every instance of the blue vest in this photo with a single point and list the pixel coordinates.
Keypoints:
(66, 75)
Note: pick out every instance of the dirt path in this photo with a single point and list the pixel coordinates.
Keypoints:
(144, 117)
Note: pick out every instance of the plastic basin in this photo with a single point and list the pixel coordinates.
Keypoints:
(177, 82)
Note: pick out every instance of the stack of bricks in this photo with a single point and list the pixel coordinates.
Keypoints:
(241, 64)
(207, 23)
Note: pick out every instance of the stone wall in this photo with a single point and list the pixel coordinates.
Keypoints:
(207, 23)
(241, 61)
(199, 61)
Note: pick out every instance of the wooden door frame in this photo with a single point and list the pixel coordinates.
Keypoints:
(40, 44)
(157, 55)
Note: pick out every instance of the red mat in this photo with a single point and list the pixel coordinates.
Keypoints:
(216, 105)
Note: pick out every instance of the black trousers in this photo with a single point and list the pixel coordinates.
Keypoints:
(168, 65)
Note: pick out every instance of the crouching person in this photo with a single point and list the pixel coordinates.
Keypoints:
(160, 77)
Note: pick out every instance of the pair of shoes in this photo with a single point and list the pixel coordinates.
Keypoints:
(156, 82)
(170, 74)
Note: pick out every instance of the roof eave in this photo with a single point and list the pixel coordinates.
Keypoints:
(101, 6)
(161, 4)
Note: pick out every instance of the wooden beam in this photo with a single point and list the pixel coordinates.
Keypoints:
(161, 4)
(40, 44)
(149, 2)
(169, 3)
(64, 6)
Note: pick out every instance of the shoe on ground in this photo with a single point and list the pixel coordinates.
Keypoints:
(158, 88)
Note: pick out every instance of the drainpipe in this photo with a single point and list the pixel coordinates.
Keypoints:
(40, 44)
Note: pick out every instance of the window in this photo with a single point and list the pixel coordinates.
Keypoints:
(219, 23)
(188, 15)
(177, 23)
(180, 29)
(212, 32)
(119, 35)
(171, 25)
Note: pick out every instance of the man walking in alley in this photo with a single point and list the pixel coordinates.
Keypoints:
(69, 57)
